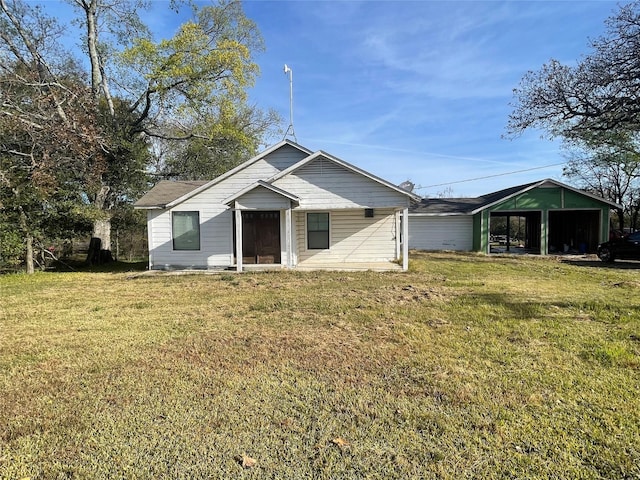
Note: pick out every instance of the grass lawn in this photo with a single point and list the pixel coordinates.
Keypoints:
(467, 366)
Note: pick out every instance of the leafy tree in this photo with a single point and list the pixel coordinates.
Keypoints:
(40, 160)
(224, 140)
(186, 94)
(46, 136)
(188, 91)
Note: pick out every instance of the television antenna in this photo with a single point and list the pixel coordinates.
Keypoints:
(290, 130)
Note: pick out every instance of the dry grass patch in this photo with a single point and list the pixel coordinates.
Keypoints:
(465, 367)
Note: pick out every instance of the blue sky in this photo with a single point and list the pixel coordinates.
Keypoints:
(420, 91)
(416, 90)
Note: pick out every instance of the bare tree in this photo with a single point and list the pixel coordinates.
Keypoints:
(601, 93)
(610, 170)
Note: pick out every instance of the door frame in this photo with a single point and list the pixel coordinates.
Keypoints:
(256, 247)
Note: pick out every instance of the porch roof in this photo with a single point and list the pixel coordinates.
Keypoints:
(260, 183)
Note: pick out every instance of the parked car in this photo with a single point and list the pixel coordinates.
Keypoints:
(626, 247)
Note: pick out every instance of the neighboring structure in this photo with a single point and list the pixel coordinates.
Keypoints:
(555, 218)
(287, 206)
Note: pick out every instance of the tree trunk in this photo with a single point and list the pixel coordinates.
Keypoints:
(102, 226)
(102, 230)
(98, 78)
(28, 256)
(621, 222)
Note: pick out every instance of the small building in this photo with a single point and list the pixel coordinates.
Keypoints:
(287, 207)
(551, 217)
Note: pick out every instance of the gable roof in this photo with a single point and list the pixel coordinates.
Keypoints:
(167, 194)
(342, 163)
(165, 197)
(471, 206)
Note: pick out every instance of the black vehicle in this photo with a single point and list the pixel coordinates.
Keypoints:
(626, 247)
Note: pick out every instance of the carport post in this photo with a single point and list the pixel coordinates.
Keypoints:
(544, 232)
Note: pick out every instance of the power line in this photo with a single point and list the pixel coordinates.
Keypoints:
(488, 176)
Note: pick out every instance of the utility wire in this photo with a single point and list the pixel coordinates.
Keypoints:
(420, 187)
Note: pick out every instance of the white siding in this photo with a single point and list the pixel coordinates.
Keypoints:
(322, 184)
(216, 235)
(261, 198)
(285, 157)
(352, 237)
(441, 233)
(216, 247)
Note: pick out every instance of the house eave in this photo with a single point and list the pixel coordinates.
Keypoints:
(153, 207)
(452, 214)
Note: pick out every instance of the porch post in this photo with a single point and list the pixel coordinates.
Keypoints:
(397, 220)
(238, 214)
(405, 239)
(287, 234)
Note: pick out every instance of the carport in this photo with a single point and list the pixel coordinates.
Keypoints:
(558, 218)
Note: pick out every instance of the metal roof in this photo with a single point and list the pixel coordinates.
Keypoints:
(464, 205)
(471, 206)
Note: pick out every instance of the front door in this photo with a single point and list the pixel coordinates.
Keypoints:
(260, 237)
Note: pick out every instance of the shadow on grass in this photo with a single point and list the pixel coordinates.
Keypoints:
(617, 265)
(509, 307)
(506, 306)
(110, 267)
(577, 260)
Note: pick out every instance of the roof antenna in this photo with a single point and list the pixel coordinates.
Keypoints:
(290, 127)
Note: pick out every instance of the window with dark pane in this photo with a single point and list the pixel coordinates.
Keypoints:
(186, 230)
(317, 231)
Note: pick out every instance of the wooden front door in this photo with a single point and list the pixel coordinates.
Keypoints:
(261, 237)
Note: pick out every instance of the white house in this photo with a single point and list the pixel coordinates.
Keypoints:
(287, 206)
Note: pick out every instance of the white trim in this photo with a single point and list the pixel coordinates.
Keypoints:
(405, 239)
(263, 184)
(396, 226)
(238, 215)
(453, 214)
(288, 240)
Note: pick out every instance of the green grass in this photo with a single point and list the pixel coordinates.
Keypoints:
(466, 366)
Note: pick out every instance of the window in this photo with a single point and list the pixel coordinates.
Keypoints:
(317, 231)
(186, 230)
